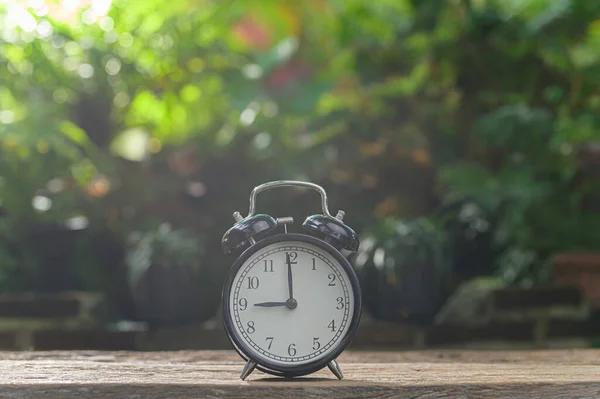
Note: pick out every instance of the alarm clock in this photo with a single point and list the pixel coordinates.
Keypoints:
(291, 301)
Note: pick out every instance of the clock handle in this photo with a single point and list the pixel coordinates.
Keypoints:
(287, 183)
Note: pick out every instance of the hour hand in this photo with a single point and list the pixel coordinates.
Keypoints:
(271, 304)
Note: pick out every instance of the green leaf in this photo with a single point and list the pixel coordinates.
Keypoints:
(404, 85)
(517, 127)
(551, 11)
(84, 171)
(73, 132)
(146, 108)
(472, 181)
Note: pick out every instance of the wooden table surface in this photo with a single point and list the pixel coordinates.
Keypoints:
(209, 374)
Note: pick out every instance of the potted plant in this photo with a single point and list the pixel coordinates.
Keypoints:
(169, 286)
(405, 268)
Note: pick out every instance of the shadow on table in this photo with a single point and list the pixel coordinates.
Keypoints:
(291, 380)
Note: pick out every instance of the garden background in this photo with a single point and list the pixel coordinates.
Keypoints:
(461, 137)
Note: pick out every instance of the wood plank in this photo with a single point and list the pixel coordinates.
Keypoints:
(427, 374)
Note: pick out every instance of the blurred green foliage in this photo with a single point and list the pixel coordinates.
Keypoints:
(396, 106)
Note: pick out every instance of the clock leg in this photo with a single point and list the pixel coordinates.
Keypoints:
(334, 367)
(248, 369)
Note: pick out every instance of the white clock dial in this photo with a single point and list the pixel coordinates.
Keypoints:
(287, 331)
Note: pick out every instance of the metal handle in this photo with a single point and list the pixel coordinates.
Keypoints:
(287, 183)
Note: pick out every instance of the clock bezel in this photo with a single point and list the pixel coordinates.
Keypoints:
(291, 370)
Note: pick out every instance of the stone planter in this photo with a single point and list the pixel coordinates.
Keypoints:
(579, 269)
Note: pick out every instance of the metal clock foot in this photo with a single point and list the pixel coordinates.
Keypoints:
(334, 367)
(248, 369)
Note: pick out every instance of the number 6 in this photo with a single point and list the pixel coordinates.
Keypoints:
(292, 350)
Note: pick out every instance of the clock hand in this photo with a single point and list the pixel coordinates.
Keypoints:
(291, 303)
(290, 284)
(270, 304)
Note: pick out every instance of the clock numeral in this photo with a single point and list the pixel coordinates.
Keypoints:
(331, 325)
(316, 344)
(270, 340)
(250, 327)
(269, 265)
(340, 303)
(290, 258)
(314, 264)
(292, 350)
(253, 283)
(331, 277)
(243, 304)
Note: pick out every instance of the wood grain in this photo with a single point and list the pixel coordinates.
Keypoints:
(212, 374)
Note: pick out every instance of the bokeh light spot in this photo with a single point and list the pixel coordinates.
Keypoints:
(77, 223)
(252, 71)
(101, 7)
(270, 109)
(196, 189)
(247, 117)
(125, 40)
(262, 140)
(112, 66)
(41, 203)
(155, 145)
(72, 48)
(111, 36)
(86, 71)
(60, 96)
(132, 144)
(107, 23)
(56, 185)
(121, 100)
(7, 117)
(44, 29)
(98, 187)
(190, 93)
(196, 65)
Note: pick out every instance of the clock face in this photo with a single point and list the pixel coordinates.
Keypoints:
(291, 303)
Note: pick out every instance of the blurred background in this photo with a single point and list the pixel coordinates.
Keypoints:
(462, 138)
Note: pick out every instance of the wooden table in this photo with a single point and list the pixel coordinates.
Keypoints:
(209, 374)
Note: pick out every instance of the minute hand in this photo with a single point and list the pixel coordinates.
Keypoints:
(290, 284)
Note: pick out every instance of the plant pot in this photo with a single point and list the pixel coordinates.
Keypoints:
(588, 155)
(406, 270)
(175, 296)
(415, 298)
(579, 269)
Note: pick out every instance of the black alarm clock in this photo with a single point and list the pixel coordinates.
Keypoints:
(291, 302)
